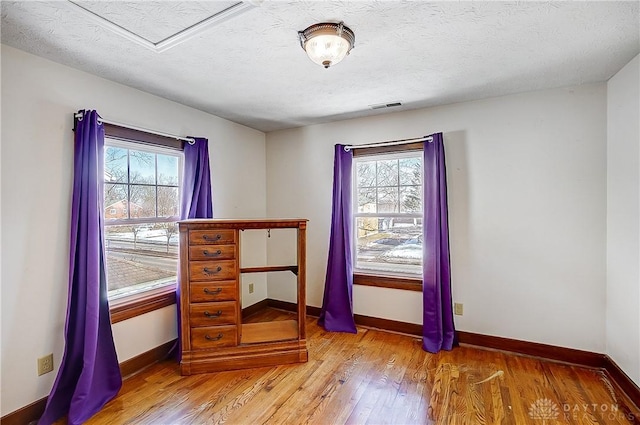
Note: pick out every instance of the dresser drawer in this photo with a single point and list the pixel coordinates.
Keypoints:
(212, 252)
(212, 270)
(224, 290)
(214, 336)
(213, 314)
(208, 237)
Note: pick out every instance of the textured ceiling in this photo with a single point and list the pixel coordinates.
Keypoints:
(155, 20)
(249, 68)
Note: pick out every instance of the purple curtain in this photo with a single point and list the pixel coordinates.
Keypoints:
(89, 374)
(196, 202)
(438, 332)
(337, 304)
(196, 182)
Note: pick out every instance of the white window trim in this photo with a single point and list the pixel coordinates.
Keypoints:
(355, 214)
(134, 145)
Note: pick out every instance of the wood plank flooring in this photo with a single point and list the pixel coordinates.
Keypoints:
(374, 377)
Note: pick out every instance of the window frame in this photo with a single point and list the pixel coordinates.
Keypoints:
(133, 145)
(135, 305)
(381, 279)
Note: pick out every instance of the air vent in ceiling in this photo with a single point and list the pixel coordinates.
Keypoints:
(385, 105)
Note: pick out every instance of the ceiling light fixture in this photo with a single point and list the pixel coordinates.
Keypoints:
(327, 43)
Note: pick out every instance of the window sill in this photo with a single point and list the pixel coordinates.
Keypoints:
(408, 284)
(128, 307)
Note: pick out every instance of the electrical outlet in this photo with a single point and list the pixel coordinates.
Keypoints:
(458, 309)
(251, 288)
(45, 364)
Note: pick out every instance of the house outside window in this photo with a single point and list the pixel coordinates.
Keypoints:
(388, 214)
(142, 203)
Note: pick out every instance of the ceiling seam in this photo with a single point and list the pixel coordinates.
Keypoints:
(173, 40)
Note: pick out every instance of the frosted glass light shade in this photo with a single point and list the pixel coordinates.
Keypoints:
(327, 43)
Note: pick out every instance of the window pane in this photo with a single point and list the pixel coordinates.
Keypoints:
(115, 165)
(367, 200)
(387, 199)
(388, 172)
(167, 170)
(168, 200)
(411, 199)
(115, 201)
(142, 167)
(366, 174)
(139, 258)
(391, 245)
(143, 201)
(410, 171)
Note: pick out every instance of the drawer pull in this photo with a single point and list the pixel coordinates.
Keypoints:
(214, 315)
(217, 338)
(209, 271)
(214, 292)
(209, 238)
(212, 254)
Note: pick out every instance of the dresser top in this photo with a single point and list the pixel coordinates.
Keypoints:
(254, 223)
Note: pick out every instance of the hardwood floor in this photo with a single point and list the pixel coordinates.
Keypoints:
(374, 377)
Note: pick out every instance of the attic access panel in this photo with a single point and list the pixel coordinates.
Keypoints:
(159, 25)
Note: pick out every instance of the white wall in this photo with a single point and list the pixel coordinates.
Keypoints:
(527, 204)
(623, 219)
(38, 100)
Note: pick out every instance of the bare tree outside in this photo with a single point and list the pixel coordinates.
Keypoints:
(169, 229)
(118, 175)
(135, 230)
(167, 198)
(411, 185)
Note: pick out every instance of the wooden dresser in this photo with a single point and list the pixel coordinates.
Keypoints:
(213, 336)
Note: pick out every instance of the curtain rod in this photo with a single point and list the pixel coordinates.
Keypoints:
(347, 148)
(189, 140)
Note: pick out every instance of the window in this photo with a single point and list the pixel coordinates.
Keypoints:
(388, 214)
(142, 203)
